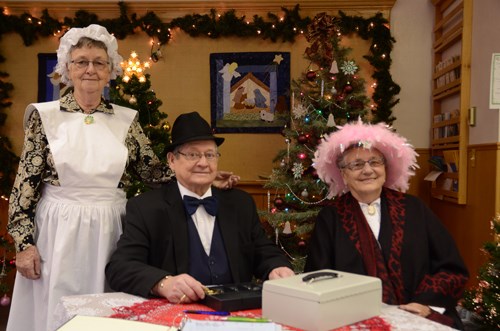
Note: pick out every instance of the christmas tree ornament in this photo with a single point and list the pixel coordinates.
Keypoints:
(349, 67)
(302, 138)
(297, 170)
(304, 193)
(5, 300)
(283, 163)
(334, 68)
(166, 126)
(333, 90)
(278, 202)
(288, 228)
(133, 100)
(331, 121)
(299, 111)
(311, 75)
(348, 88)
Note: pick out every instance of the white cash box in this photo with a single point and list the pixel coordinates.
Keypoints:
(321, 300)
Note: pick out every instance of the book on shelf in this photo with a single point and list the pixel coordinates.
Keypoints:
(451, 159)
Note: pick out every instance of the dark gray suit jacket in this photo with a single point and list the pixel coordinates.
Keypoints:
(155, 240)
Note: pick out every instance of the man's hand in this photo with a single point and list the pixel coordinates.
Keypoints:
(225, 180)
(281, 272)
(180, 289)
(28, 263)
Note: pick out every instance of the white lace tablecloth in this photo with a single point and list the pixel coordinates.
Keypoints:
(103, 304)
(92, 305)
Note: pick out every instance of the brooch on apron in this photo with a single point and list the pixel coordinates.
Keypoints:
(89, 119)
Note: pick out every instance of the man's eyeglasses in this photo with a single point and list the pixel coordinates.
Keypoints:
(98, 64)
(194, 156)
(360, 164)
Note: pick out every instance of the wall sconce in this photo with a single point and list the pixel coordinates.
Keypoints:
(472, 116)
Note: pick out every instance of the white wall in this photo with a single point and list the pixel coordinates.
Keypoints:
(412, 23)
(485, 41)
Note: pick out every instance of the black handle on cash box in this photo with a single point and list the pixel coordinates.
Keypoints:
(319, 276)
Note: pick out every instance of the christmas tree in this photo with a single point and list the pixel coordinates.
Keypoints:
(329, 93)
(133, 90)
(8, 166)
(484, 300)
(7, 263)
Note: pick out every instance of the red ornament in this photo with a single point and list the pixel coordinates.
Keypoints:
(348, 88)
(302, 138)
(278, 202)
(302, 243)
(311, 75)
(5, 300)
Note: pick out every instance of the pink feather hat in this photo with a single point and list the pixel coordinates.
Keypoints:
(400, 156)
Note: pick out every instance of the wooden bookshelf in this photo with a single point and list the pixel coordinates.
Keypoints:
(451, 96)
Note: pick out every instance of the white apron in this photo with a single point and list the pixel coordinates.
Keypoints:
(78, 223)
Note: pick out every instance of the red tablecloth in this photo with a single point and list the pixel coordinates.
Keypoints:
(162, 312)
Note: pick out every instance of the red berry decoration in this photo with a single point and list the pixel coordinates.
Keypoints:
(311, 75)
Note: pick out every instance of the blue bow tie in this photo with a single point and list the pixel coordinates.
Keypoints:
(192, 203)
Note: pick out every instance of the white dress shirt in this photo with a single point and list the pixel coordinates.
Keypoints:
(203, 221)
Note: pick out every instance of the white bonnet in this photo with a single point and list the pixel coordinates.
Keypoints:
(93, 31)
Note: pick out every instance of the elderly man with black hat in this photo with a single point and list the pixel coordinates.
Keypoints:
(189, 234)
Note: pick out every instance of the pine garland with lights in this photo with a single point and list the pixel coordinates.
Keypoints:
(484, 300)
(329, 93)
(285, 27)
(133, 90)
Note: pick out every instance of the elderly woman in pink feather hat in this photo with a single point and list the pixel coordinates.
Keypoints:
(373, 228)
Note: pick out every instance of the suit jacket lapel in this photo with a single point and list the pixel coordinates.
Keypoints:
(177, 215)
(229, 231)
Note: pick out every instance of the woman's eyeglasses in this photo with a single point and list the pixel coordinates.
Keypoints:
(98, 64)
(360, 164)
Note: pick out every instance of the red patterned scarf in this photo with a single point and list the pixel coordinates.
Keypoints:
(356, 226)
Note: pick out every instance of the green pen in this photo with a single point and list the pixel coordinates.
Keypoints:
(246, 319)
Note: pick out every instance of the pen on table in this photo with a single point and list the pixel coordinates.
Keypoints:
(207, 312)
(246, 319)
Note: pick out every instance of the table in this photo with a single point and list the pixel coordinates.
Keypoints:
(160, 311)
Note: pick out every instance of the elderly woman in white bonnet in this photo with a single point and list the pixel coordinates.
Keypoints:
(373, 228)
(68, 198)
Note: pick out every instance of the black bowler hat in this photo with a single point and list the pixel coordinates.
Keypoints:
(191, 127)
